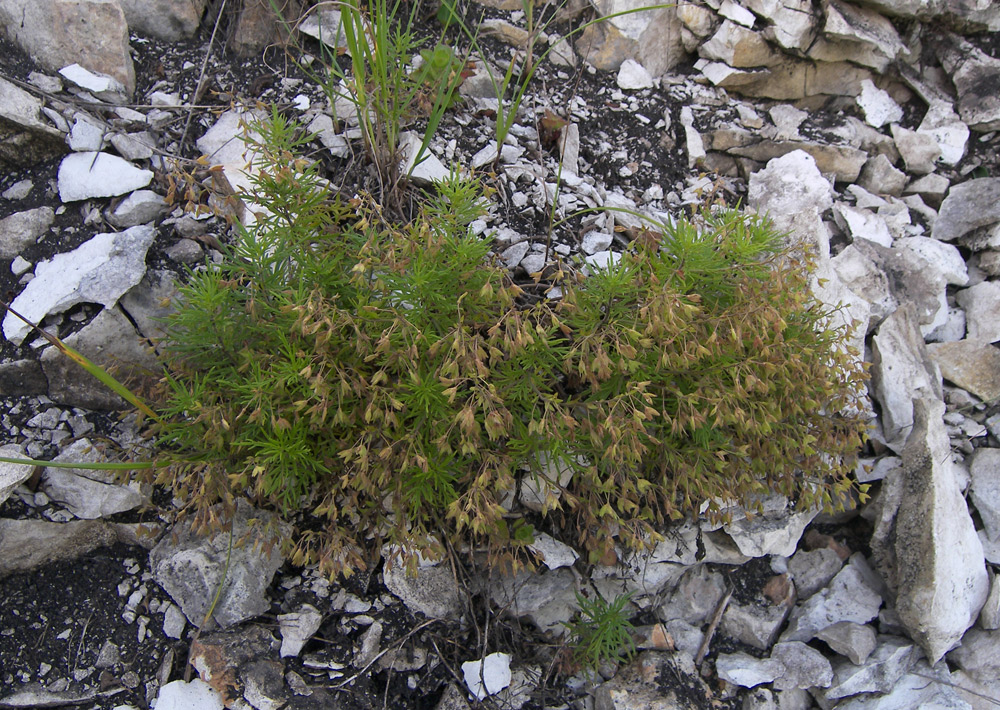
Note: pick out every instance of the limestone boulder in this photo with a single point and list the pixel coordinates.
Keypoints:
(56, 33)
(100, 270)
(26, 137)
(968, 206)
(975, 76)
(901, 369)
(169, 20)
(190, 567)
(941, 571)
(650, 37)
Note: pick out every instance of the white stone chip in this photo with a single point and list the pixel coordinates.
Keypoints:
(554, 554)
(297, 628)
(877, 105)
(632, 76)
(174, 621)
(86, 79)
(12, 474)
(196, 695)
(90, 174)
(736, 13)
(85, 135)
(487, 676)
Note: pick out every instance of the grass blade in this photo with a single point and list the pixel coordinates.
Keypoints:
(94, 369)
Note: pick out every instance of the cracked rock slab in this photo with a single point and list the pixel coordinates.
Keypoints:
(98, 271)
(941, 569)
(190, 567)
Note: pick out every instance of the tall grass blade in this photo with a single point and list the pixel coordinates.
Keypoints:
(95, 370)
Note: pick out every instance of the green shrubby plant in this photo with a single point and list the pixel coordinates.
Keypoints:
(394, 383)
(602, 632)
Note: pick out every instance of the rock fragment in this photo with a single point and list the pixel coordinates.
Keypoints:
(190, 567)
(942, 582)
(98, 271)
(90, 174)
(25, 137)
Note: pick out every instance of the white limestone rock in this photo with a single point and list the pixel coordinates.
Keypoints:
(901, 370)
(553, 553)
(931, 188)
(989, 617)
(651, 37)
(848, 597)
(173, 621)
(226, 142)
(792, 22)
(85, 135)
(196, 695)
(973, 365)
(968, 206)
(89, 174)
(924, 687)
(98, 271)
(429, 170)
(880, 176)
(744, 670)
(862, 224)
(190, 567)
(942, 580)
(878, 106)
(57, 33)
(632, 76)
(101, 85)
(28, 137)
(863, 29)
(944, 126)
(920, 151)
(140, 207)
(804, 666)
(794, 194)
(985, 489)
(737, 46)
(974, 75)
(488, 675)
(981, 303)
(856, 268)
(169, 20)
(695, 597)
(431, 591)
(134, 146)
(941, 257)
(12, 474)
(86, 498)
(775, 532)
(812, 570)
(22, 229)
(547, 599)
(856, 641)
(879, 672)
(695, 144)
(297, 628)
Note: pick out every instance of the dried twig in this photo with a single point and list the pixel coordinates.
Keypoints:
(712, 626)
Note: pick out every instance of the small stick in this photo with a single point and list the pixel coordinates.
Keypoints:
(712, 626)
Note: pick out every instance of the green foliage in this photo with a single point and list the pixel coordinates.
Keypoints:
(602, 632)
(441, 71)
(447, 13)
(395, 383)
